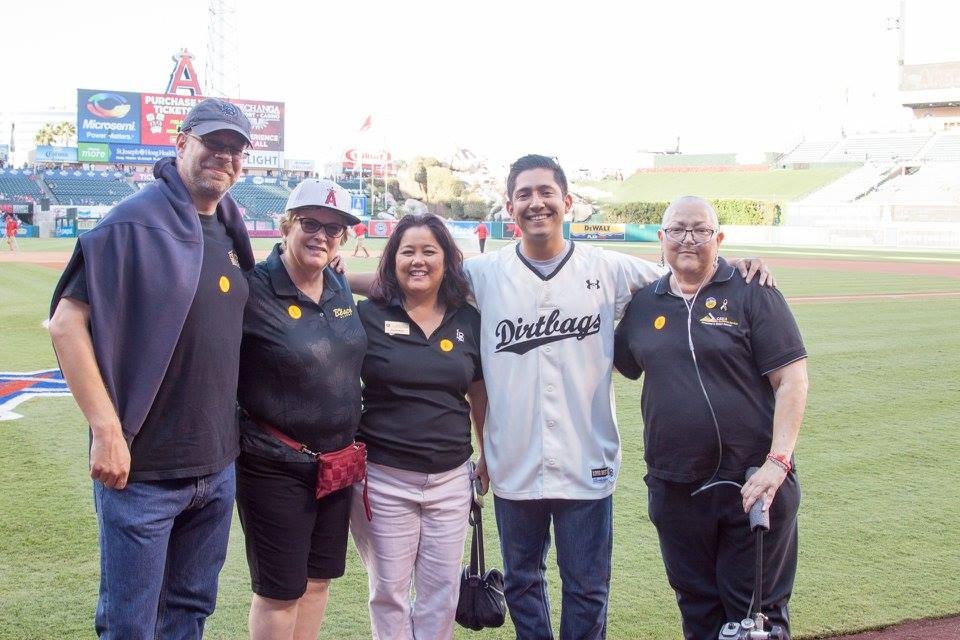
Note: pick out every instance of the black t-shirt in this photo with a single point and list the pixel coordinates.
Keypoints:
(415, 413)
(191, 429)
(741, 332)
(299, 363)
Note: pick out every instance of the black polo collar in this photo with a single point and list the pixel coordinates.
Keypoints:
(282, 283)
(723, 273)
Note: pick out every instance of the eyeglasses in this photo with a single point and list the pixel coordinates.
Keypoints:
(216, 148)
(311, 226)
(700, 235)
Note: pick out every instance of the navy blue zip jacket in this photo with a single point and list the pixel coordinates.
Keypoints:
(142, 266)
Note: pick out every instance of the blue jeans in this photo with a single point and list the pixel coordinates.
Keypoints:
(584, 536)
(162, 545)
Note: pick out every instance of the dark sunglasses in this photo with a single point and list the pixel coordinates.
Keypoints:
(330, 229)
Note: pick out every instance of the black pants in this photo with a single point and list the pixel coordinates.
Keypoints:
(483, 242)
(709, 553)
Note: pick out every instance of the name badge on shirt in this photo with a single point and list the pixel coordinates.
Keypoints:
(393, 328)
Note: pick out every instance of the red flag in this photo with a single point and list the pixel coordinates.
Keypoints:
(366, 123)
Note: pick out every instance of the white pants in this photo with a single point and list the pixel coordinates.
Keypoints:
(415, 540)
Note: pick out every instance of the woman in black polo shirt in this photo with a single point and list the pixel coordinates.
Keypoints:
(724, 389)
(300, 359)
(422, 361)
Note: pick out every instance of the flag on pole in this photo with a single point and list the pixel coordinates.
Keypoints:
(366, 124)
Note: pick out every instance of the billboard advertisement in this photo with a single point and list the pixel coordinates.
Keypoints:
(93, 152)
(266, 123)
(380, 228)
(161, 116)
(139, 153)
(109, 121)
(606, 232)
(108, 116)
(264, 159)
(377, 163)
(47, 153)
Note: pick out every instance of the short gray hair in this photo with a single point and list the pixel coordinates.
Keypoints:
(686, 200)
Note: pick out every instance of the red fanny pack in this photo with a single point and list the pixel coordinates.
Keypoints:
(335, 469)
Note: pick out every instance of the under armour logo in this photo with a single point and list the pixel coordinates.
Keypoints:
(593, 284)
(331, 197)
(459, 335)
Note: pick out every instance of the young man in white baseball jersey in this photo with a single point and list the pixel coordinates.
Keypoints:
(551, 444)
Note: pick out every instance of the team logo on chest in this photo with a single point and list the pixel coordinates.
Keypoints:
(593, 284)
(520, 337)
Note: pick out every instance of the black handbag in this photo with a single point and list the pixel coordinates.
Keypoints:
(481, 603)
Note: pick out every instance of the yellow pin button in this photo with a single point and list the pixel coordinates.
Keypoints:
(294, 311)
(224, 284)
(659, 323)
(446, 345)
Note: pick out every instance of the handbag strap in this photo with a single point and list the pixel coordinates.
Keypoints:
(284, 438)
(477, 564)
(302, 448)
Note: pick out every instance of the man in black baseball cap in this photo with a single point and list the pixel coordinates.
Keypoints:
(152, 359)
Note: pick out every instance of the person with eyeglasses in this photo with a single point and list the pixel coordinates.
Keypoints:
(146, 323)
(303, 345)
(725, 386)
(551, 454)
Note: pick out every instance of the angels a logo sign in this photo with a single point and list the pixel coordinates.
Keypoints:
(17, 387)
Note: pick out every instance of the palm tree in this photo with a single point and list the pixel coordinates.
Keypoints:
(47, 135)
(56, 133)
(65, 131)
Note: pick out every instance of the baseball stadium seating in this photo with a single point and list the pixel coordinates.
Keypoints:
(19, 186)
(260, 200)
(87, 188)
(944, 148)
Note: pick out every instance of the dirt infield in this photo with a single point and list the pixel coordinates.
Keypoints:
(931, 629)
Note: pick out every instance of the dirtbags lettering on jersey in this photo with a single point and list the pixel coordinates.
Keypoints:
(520, 337)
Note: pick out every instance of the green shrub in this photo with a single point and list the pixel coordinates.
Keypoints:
(730, 212)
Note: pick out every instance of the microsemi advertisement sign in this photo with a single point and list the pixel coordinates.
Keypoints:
(606, 232)
(108, 116)
(148, 121)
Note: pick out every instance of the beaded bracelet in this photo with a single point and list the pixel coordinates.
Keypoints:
(780, 460)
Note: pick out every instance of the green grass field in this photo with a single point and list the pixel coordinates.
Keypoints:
(779, 185)
(880, 516)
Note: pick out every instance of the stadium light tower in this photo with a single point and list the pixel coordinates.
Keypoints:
(223, 49)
